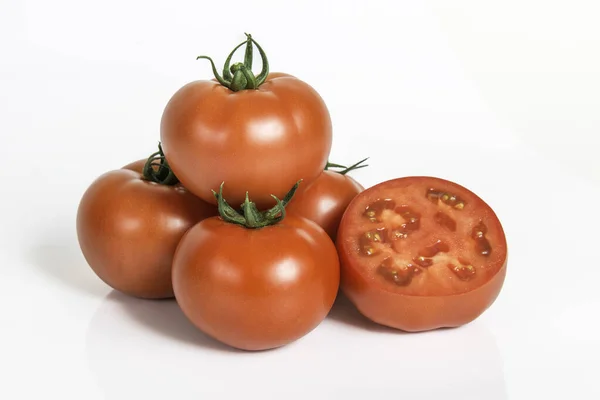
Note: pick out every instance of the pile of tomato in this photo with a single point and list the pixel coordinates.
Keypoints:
(242, 219)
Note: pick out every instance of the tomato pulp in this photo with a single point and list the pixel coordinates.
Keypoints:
(421, 253)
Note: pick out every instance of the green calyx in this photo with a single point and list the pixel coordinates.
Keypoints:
(248, 215)
(157, 169)
(239, 76)
(344, 169)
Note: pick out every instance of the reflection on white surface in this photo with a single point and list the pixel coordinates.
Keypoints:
(141, 349)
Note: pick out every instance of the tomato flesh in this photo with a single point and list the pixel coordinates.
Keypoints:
(421, 237)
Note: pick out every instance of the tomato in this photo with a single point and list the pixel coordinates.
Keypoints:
(259, 139)
(326, 198)
(137, 166)
(420, 253)
(256, 288)
(128, 228)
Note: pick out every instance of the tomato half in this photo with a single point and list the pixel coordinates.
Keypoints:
(261, 140)
(256, 289)
(420, 253)
(128, 229)
(325, 199)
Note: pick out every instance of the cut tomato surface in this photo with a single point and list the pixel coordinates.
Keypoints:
(419, 253)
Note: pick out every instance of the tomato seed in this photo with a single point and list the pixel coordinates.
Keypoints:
(411, 217)
(434, 249)
(463, 272)
(450, 199)
(374, 210)
(368, 239)
(445, 220)
(399, 234)
(463, 261)
(400, 276)
(434, 195)
(423, 262)
(482, 245)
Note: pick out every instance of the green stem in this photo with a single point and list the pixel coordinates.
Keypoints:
(226, 69)
(163, 174)
(240, 75)
(214, 68)
(249, 52)
(332, 165)
(345, 169)
(249, 216)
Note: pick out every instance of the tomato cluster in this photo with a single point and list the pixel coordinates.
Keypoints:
(240, 216)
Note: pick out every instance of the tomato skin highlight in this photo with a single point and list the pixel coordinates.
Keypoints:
(324, 200)
(256, 289)
(262, 141)
(436, 297)
(128, 229)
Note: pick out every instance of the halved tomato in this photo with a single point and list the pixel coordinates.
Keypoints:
(421, 253)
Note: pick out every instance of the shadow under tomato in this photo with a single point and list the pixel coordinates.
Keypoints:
(163, 317)
(147, 349)
(57, 256)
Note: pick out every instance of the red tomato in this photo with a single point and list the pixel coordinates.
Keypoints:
(420, 253)
(256, 288)
(137, 166)
(324, 200)
(259, 139)
(128, 228)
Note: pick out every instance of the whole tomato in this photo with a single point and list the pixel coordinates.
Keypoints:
(256, 281)
(259, 134)
(129, 223)
(325, 199)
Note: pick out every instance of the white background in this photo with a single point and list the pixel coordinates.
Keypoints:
(500, 96)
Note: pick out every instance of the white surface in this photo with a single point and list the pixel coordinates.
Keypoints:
(501, 97)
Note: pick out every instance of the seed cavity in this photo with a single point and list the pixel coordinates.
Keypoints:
(482, 245)
(463, 272)
(374, 210)
(435, 196)
(423, 262)
(400, 275)
(368, 240)
(399, 234)
(445, 220)
(412, 218)
(437, 247)
(413, 222)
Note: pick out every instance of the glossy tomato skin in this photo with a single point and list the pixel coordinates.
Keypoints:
(256, 289)
(262, 141)
(424, 308)
(128, 229)
(417, 313)
(325, 199)
(137, 166)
